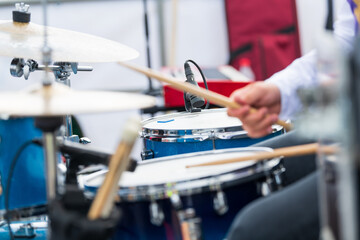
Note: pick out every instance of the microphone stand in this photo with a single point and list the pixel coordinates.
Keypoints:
(150, 91)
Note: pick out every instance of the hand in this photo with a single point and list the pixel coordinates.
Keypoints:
(260, 95)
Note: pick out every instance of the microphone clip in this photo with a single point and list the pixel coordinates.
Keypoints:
(192, 103)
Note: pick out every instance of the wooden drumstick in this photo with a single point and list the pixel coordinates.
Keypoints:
(184, 86)
(299, 150)
(104, 199)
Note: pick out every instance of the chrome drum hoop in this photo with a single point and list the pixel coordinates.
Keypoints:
(194, 134)
(195, 186)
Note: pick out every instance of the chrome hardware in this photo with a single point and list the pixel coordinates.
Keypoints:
(19, 67)
(265, 188)
(62, 70)
(278, 176)
(22, 7)
(193, 225)
(220, 203)
(147, 154)
(85, 140)
(25, 231)
(156, 214)
(16, 67)
(176, 201)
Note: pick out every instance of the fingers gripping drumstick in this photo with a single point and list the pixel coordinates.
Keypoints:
(104, 200)
(183, 86)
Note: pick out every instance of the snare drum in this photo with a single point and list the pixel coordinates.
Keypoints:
(28, 185)
(162, 194)
(184, 132)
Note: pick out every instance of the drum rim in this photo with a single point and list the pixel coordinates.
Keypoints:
(200, 185)
(195, 134)
(25, 212)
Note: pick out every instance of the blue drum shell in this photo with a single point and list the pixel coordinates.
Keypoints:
(135, 222)
(180, 146)
(240, 186)
(28, 184)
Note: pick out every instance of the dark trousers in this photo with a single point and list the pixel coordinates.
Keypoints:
(291, 213)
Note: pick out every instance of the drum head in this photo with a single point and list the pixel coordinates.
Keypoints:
(206, 119)
(172, 170)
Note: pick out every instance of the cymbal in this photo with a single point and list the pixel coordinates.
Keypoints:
(25, 40)
(58, 99)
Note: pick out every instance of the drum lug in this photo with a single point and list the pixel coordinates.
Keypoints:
(279, 176)
(156, 214)
(191, 225)
(176, 201)
(268, 186)
(265, 188)
(147, 154)
(25, 231)
(220, 203)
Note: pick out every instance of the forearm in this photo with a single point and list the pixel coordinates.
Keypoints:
(300, 74)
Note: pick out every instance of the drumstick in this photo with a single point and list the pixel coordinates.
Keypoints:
(299, 150)
(104, 199)
(184, 86)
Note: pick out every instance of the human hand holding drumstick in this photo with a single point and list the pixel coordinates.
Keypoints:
(104, 199)
(263, 96)
(209, 95)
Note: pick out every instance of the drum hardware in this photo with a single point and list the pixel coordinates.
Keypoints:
(188, 189)
(220, 203)
(185, 132)
(266, 188)
(190, 225)
(21, 14)
(62, 70)
(279, 176)
(212, 137)
(26, 229)
(84, 140)
(269, 185)
(147, 154)
(156, 214)
(209, 95)
(219, 199)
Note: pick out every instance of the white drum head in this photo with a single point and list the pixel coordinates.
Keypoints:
(206, 119)
(173, 169)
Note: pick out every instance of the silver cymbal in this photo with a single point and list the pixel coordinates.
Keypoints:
(58, 99)
(25, 40)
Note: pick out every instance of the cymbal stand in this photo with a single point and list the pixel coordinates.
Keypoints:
(62, 71)
(62, 75)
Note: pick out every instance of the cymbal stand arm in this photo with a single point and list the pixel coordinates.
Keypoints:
(51, 160)
(62, 71)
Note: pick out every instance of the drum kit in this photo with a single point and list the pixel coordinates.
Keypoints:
(162, 198)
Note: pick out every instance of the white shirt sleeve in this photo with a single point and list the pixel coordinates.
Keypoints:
(302, 72)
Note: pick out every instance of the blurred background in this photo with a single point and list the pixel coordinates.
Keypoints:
(178, 30)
